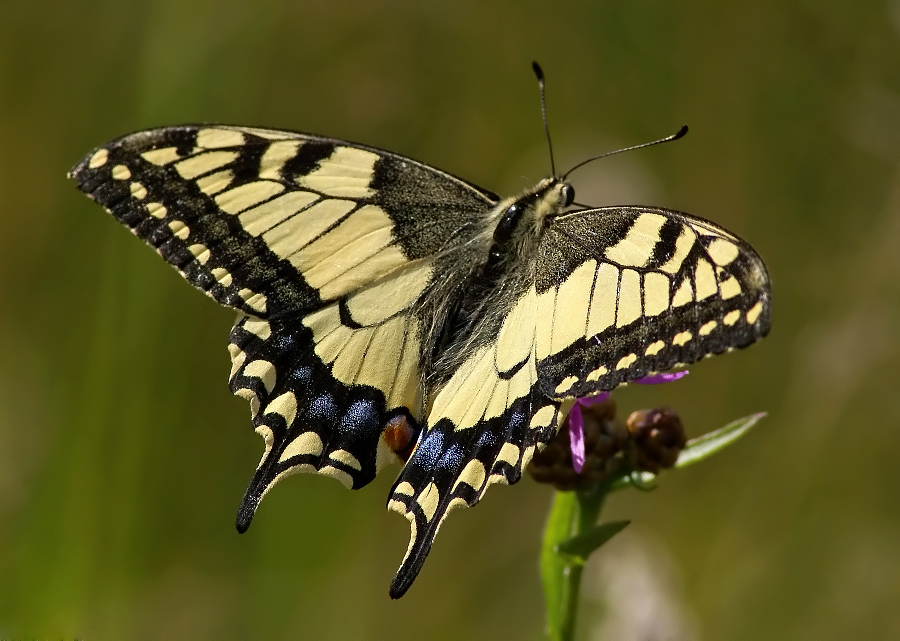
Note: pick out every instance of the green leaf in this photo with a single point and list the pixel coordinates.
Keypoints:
(705, 446)
(579, 548)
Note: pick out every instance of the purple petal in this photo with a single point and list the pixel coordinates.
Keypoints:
(587, 401)
(664, 377)
(576, 436)
(576, 428)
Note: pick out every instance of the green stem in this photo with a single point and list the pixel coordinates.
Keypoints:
(572, 514)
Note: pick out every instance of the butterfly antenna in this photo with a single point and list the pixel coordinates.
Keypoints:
(540, 78)
(679, 134)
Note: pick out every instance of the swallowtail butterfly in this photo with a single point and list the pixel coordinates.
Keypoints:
(389, 312)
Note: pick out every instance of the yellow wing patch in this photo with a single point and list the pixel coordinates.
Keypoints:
(495, 376)
(346, 174)
(382, 349)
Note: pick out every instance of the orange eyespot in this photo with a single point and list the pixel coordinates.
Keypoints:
(398, 435)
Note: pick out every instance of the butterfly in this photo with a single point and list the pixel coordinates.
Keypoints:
(391, 313)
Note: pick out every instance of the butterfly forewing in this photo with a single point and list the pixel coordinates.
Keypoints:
(625, 292)
(255, 218)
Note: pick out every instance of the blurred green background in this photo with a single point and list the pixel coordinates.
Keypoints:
(123, 456)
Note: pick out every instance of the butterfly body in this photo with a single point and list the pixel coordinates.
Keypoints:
(389, 312)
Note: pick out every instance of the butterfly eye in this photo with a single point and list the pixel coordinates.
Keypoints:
(568, 194)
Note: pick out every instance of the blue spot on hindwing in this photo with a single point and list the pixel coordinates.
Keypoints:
(452, 458)
(486, 440)
(323, 410)
(430, 448)
(362, 417)
(284, 342)
(301, 378)
(516, 419)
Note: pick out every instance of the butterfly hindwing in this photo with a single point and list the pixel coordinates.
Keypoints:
(338, 391)
(313, 415)
(453, 466)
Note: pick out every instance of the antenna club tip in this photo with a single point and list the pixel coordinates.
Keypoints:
(681, 132)
(537, 70)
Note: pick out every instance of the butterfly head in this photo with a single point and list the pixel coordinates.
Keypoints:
(521, 221)
(552, 195)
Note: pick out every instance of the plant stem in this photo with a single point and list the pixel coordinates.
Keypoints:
(572, 514)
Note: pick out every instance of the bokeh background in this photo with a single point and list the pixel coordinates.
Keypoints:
(123, 456)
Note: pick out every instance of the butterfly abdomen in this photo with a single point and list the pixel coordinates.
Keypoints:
(500, 270)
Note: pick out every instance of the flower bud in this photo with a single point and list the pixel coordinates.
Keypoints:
(658, 438)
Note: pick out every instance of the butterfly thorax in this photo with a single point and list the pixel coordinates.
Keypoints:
(516, 226)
